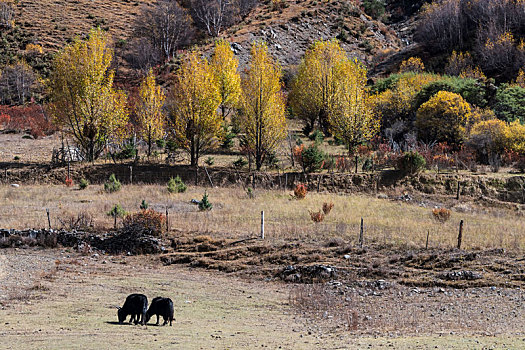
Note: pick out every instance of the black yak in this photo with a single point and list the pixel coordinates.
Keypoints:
(161, 307)
(136, 306)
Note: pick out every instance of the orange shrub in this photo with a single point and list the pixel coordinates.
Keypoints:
(317, 216)
(441, 215)
(300, 191)
(327, 207)
(69, 181)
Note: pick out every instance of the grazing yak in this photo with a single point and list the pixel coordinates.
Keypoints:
(136, 306)
(161, 307)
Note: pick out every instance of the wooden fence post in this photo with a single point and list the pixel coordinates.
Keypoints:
(131, 174)
(361, 232)
(262, 224)
(458, 191)
(209, 177)
(426, 245)
(167, 220)
(196, 175)
(460, 235)
(319, 182)
(48, 218)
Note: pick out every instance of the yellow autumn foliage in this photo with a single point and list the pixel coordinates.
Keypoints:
(351, 119)
(516, 137)
(34, 49)
(262, 118)
(444, 118)
(83, 100)
(195, 123)
(520, 79)
(496, 136)
(225, 64)
(490, 136)
(149, 110)
(398, 102)
(413, 64)
(314, 88)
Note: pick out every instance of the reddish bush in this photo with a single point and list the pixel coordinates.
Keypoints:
(4, 120)
(441, 215)
(69, 181)
(327, 207)
(466, 158)
(144, 222)
(30, 118)
(317, 216)
(300, 191)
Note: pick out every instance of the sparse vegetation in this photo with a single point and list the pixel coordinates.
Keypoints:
(117, 211)
(145, 222)
(175, 185)
(112, 185)
(83, 184)
(204, 204)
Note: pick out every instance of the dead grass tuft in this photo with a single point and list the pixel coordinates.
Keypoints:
(322, 302)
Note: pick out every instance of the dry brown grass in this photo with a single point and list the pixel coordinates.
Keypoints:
(54, 22)
(236, 215)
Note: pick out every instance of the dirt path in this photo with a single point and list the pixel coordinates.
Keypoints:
(72, 304)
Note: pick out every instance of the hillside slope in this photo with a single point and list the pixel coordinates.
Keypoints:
(54, 22)
(288, 30)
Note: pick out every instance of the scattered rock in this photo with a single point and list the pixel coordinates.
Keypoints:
(461, 276)
(307, 274)
(15, 185)
(236, 47)
(405, 198)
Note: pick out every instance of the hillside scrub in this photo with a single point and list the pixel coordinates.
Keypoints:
(492, 29)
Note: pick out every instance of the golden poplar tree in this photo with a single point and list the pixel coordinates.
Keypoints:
(83, 100)
(225, 64)
(262, 118)
(314, 88)
(351, 119)
(149, 111)
(195, 122)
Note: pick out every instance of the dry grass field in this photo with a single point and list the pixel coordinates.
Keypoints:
(236, 215)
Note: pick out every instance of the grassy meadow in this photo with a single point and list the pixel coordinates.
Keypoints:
(236, 215)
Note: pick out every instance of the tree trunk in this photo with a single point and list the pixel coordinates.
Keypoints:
(192, 152)
(258, 161)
